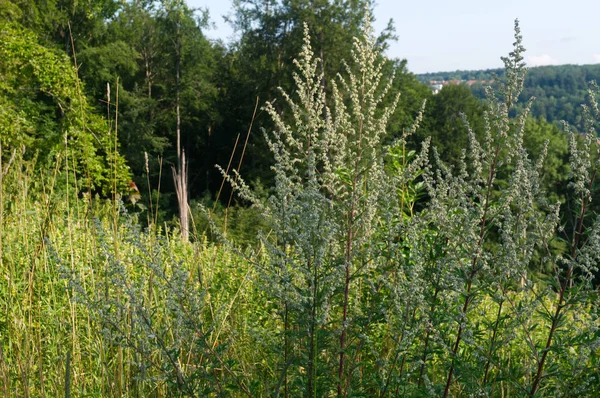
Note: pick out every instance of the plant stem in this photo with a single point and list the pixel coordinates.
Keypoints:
(538, 375)
(492, 342)
(563, 288)
(431, 312)
(286, 348)
(312, 356)
(68, 375)
(340, 389)
(474, 268)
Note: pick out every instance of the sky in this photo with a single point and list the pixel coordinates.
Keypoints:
(448, 35)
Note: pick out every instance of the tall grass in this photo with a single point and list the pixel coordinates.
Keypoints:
(67, 293)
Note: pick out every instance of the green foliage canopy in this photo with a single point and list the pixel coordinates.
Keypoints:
(44, 112)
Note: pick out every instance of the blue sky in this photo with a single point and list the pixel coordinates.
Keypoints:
(446, 35)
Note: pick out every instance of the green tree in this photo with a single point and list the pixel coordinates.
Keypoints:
(167, 95)
(270, 37)
(45, 113)
(544, 139)
(63, 22)
(445, 119)
(413, 94)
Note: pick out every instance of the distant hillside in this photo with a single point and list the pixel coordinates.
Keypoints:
(486, 74)
(559, 90)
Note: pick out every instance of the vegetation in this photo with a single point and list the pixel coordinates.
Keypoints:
(389, 242)
(559, 90)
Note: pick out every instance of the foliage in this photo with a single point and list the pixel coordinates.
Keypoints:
(60, 23)
(559, 90)
(379, 272)
(93, 306)
(261, 62)
(241, 224)
(444, 121)
(329, 181)
(142, 48)
(45, 114)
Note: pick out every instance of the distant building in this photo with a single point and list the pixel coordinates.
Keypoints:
(437, 85)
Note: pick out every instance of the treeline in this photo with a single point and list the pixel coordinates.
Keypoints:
(118, 82)
(138, 62)
(485, 74)
(559, 90)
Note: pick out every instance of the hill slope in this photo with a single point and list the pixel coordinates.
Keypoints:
(559, 90)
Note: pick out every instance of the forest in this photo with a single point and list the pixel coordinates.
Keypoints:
(290, 214)
(559, 91)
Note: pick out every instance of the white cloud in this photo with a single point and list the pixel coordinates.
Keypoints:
(541, 60)
(596, 58)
